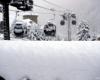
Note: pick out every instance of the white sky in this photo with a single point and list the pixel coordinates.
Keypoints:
(85, 9)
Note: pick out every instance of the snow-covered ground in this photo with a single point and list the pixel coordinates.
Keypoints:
(50, 60)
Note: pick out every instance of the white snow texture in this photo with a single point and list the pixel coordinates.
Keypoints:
(50, 60)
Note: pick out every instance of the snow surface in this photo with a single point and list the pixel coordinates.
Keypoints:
(50, 60)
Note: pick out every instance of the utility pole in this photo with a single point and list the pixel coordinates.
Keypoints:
(70, 19)
(6, 21)
(69, 26)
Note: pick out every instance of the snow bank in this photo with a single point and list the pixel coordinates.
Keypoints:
(50, 60)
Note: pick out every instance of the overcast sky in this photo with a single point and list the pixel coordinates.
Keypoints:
(87, 10)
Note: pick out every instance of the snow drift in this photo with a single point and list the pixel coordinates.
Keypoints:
(50, 60)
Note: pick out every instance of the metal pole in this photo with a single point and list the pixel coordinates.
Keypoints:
(6, 21)
(69, 26)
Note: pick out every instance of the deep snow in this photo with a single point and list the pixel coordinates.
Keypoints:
(50, 60)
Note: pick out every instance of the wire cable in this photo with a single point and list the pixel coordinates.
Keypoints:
(37, 12)
(50, 9)
(55, 5)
